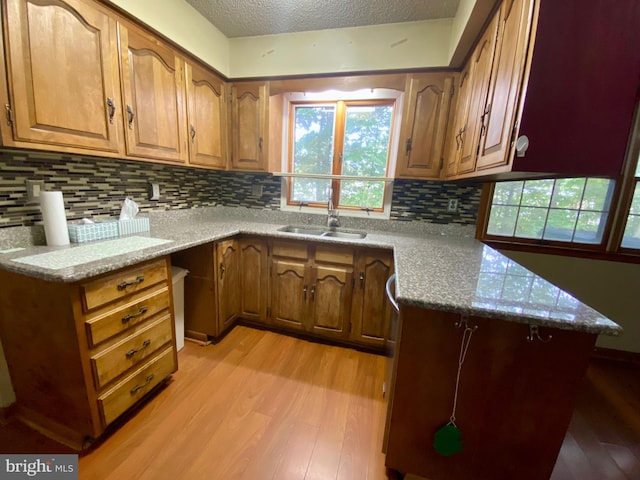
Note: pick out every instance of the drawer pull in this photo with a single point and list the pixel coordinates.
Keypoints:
(139, 279)
(133, 351)
(129, 316)
(140, 387)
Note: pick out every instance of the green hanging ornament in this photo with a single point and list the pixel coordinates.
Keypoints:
(447, 440)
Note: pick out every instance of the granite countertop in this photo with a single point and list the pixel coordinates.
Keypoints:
(439, 269)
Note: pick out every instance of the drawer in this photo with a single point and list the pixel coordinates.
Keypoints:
(115, 360)
(127, 392)
(112, 321)
(122, 283)
(290, 249)
(334, 255)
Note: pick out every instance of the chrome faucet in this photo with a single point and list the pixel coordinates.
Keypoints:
(332, 214)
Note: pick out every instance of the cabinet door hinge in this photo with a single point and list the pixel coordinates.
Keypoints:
(453, 89)
(441, 163)
(9, 113)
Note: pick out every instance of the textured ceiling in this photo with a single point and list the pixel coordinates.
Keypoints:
(242, 18)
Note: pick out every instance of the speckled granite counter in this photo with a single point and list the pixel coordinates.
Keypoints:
(437, 267)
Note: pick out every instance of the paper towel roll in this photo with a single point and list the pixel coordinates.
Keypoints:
(55, 220)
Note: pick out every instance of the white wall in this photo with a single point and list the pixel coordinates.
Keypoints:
(609, 287)
(180, 22)
(465, 7)
(380, 47)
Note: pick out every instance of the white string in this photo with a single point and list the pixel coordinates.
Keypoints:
(466, 340)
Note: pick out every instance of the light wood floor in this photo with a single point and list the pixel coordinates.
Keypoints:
(265, 406)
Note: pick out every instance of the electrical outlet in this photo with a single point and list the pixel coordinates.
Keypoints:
(34, 187)
(256, 190)
(453, 205)
(154, 191)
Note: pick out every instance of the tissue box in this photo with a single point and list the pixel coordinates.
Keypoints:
(89, 232)
(137, 225)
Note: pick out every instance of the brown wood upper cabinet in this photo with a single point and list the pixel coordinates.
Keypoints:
(546, 107)
(424, 125)
(62, 66)
(249, 126)
(208, 120)
(153, 97)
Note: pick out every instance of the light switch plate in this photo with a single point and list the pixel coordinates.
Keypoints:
(34, 187)
(154, 191)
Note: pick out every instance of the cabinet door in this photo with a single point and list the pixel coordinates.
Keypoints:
(371, 310)
(207, 111)
(456, 138)
(506, 81)
(153, 97)
(63, 74)
(481, 62)
(289, 292)
(426, 111)
(254, 279)
(249, 112)
(228, 282)
(330, 300)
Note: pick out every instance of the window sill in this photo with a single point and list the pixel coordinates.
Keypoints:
(568, 251)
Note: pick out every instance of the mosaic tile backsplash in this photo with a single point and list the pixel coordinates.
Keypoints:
(96, 187)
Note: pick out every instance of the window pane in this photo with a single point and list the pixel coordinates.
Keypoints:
(502, 220)
(560, 225)
(355, 193)
(531, 222)
(631, 238)
(537, 193)
(638, 166)
(366, 140)
(596, 195)
(313, 140)
(310, 190)
(590, 227)
(567, 193)
(507, 193)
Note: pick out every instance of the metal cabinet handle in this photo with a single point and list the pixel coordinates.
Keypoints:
(222, 269)
(123, 285)
(111, 107)
(260, 144)
(9, 113)
(130, 115)
(361, 279)
(304, 292)
(128, 317)
(390, 296)
(313, 293)
(133, 351)
(140, 387)
(193, 132)
(408, 146)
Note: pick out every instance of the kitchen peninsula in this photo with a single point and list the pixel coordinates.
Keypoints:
(527, 355)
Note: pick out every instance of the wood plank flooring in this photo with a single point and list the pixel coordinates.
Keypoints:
(260, 405)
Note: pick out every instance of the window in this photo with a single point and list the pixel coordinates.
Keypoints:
(631, 237)
(343, 148)
(598, 216)
(565, 210)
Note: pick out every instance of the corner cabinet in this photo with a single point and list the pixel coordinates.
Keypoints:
(153, 97)
(254, 278)
(546, 107)
(207, 118)
(62, 66)
(81, 354)
(424, 125)
(250, 126)
(228, 288)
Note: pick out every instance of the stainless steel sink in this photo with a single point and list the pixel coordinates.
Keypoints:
(323, 232)
(341, 234)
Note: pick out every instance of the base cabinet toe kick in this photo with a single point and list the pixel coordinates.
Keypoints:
(81, 354)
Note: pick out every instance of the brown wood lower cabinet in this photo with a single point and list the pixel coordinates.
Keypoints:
(514, 403)
(80, 354)
(318, 289)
